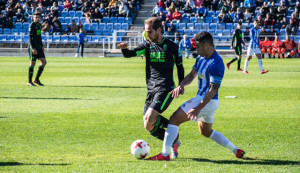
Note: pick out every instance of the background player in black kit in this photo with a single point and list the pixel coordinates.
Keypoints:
(237, 41)
(36, 49)
(161, 55)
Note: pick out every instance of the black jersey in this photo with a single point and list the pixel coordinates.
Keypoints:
(237, 38)
(160, 60)
(35, 37)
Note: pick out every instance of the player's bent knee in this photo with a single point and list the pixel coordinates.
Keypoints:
(205, 133)
(293, 52)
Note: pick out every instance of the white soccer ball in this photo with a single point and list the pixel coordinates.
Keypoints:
(140, 149)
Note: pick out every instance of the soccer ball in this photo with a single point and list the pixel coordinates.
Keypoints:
(140, 149)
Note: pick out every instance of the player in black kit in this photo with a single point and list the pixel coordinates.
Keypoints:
(36, 49)
(237, 39)
(161, 55)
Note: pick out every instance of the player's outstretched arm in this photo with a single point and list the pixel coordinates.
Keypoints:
(131, 53)
(186, 81)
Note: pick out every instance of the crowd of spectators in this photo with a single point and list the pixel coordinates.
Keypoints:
(92, 10)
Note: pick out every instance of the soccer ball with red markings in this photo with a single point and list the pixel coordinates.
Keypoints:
(140, 149)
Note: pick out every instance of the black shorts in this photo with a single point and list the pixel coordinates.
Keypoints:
(159, 101)
(238, 50)
(40, 54)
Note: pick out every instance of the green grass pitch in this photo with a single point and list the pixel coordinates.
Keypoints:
(90, 111)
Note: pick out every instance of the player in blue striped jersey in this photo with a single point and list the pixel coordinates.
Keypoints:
(254, 48)
(209, 68)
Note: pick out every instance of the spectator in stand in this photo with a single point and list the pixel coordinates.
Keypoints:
(247, 16)
(247, 34)
(207, 3)
(67, 30)
(41, 9)
(268, 21)
(198, 3)
(156, 10)
(2, 4)
(277, 24)
(262, 13)
(193, 47)
(185, 45)
(272, 33)
(169, 34)
(187, 10)
(114, 11)
(112, 3)
(123, 9)
(18, 6)
(164, 27)
(233, 7)
(102, 10)
(169, 16)
(243, 9)
(168, 3)
(9, 23)
(57, 30)
(224, 18)
(55, 19)
(273, 5)
(78, 5)
(263, 34)
(161, 4)
(68, 5)
(297, 6)
(202, 11)
(172, 27)
(276, 47)
(280, 13)
(191, 2)
(295, 14)
(27, 9)
(291, 29)
(288, 46)
(284, 23)
(266, 45)
(9, 12)
(74, 28)
(131, 12)
(225, 8)
(260, 21)
(55, 8)
(2, 21)
(180, 5)
(162, 16)
(85, 8)
(248, 2)
(272, 14)
(176, 15)
(172, 7)
(259, 3)
(194, 10)
(20, 16)
(214, 5)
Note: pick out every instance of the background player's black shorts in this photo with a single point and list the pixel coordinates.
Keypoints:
(40, 54)
(238, 50)
(159, 101)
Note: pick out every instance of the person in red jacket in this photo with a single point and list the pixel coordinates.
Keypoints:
(266, 45)
(288, 46)
(161, 4)
(68, 5)
(193, 47)
(176, 15)
(277, 45)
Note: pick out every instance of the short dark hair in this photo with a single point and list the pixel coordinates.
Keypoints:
(37, 14)
(155, 22)
(204, 37)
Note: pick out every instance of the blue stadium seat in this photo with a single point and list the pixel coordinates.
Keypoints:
(244, 25)
(81, 20)
(251, 25)
(113, 20)
(94, 26)
(181, 26)
(129, 20)
(176, 25)
(215, 19)
(234, 26)
(197, 25)
(2, 38)
(10, 38)
(125, 26)
(289, 13)
(193, 19)
(205, 25)
(187, 32)
(224, 38)
(61, 19)
(208, 20)
(210, 14)
(107, 32)
(25, 39)
(44, 39)
(63, 25)
(105, 20)
(22, 31)
(50, 39)
(190, 25)
(297, 39)
(98, 31)
(211, 31)
(228, 26)
(68, 19)
(71, 13)
(102, 26)
(216, 38)
(88, 38)
(94, 39)
(202, 30)
(78, 14)
(180, 31)
(110, 26)
(226, 32)
(64, 14)
(6, 31)
(117, 26)
(219, 32)
(119, 39)
(56, 39)
(195, 31)
(26, 25)
(221, 26)
(86, 26)
(15, 31)
(61, 8)
(217, 13)
(121, 19)
(72, 39)
(121, 33)
(185, 20)
(18, 25)
(18, 39)
(213, 26)
(282, 32)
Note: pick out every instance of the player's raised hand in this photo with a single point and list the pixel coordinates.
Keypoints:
(123, 45)
(177, 91)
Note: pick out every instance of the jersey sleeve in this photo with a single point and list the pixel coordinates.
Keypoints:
(233, 38)
(140, 50)
(217, 73)
(195, 66)
(31, 35)
(179, 65)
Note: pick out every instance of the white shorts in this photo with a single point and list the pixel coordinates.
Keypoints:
(252, 51)
(207, 113)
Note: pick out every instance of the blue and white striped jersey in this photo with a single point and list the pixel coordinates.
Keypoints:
(209, 71)
(254, 38)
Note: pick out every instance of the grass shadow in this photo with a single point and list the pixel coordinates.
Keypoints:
(248, 161)
(126, 87)
(39, 98)
(38, 164)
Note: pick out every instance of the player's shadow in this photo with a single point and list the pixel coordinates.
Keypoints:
(45, 98)
(92, 86)
(249, 161)
(38, 164)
